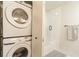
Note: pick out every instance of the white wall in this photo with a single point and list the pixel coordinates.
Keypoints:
(70, 16)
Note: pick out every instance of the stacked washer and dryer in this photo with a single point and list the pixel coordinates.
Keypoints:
(17, 28)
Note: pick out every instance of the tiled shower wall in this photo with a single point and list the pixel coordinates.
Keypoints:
(52, 38)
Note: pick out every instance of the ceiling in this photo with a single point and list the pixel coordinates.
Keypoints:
(53, 4)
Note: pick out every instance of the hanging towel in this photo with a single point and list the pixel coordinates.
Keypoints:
(72, 32)
(69, 33)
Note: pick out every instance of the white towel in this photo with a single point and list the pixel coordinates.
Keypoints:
(69, 33)
(72, 32)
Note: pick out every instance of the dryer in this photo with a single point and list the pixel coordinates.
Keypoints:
(16, 19)
(17, 47)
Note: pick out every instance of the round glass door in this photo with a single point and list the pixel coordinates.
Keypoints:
(21, 52)
(20, 16)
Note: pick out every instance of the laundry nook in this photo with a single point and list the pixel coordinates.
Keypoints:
(15, 28)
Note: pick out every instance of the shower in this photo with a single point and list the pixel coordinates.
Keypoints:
(60, 23)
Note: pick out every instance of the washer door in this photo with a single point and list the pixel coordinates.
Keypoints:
(20, 50)
(18, 15)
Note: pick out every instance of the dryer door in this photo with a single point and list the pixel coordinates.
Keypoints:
(18, 15)
(20, 50)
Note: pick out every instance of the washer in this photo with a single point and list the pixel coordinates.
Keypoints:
(17, 47)
(16, 19)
